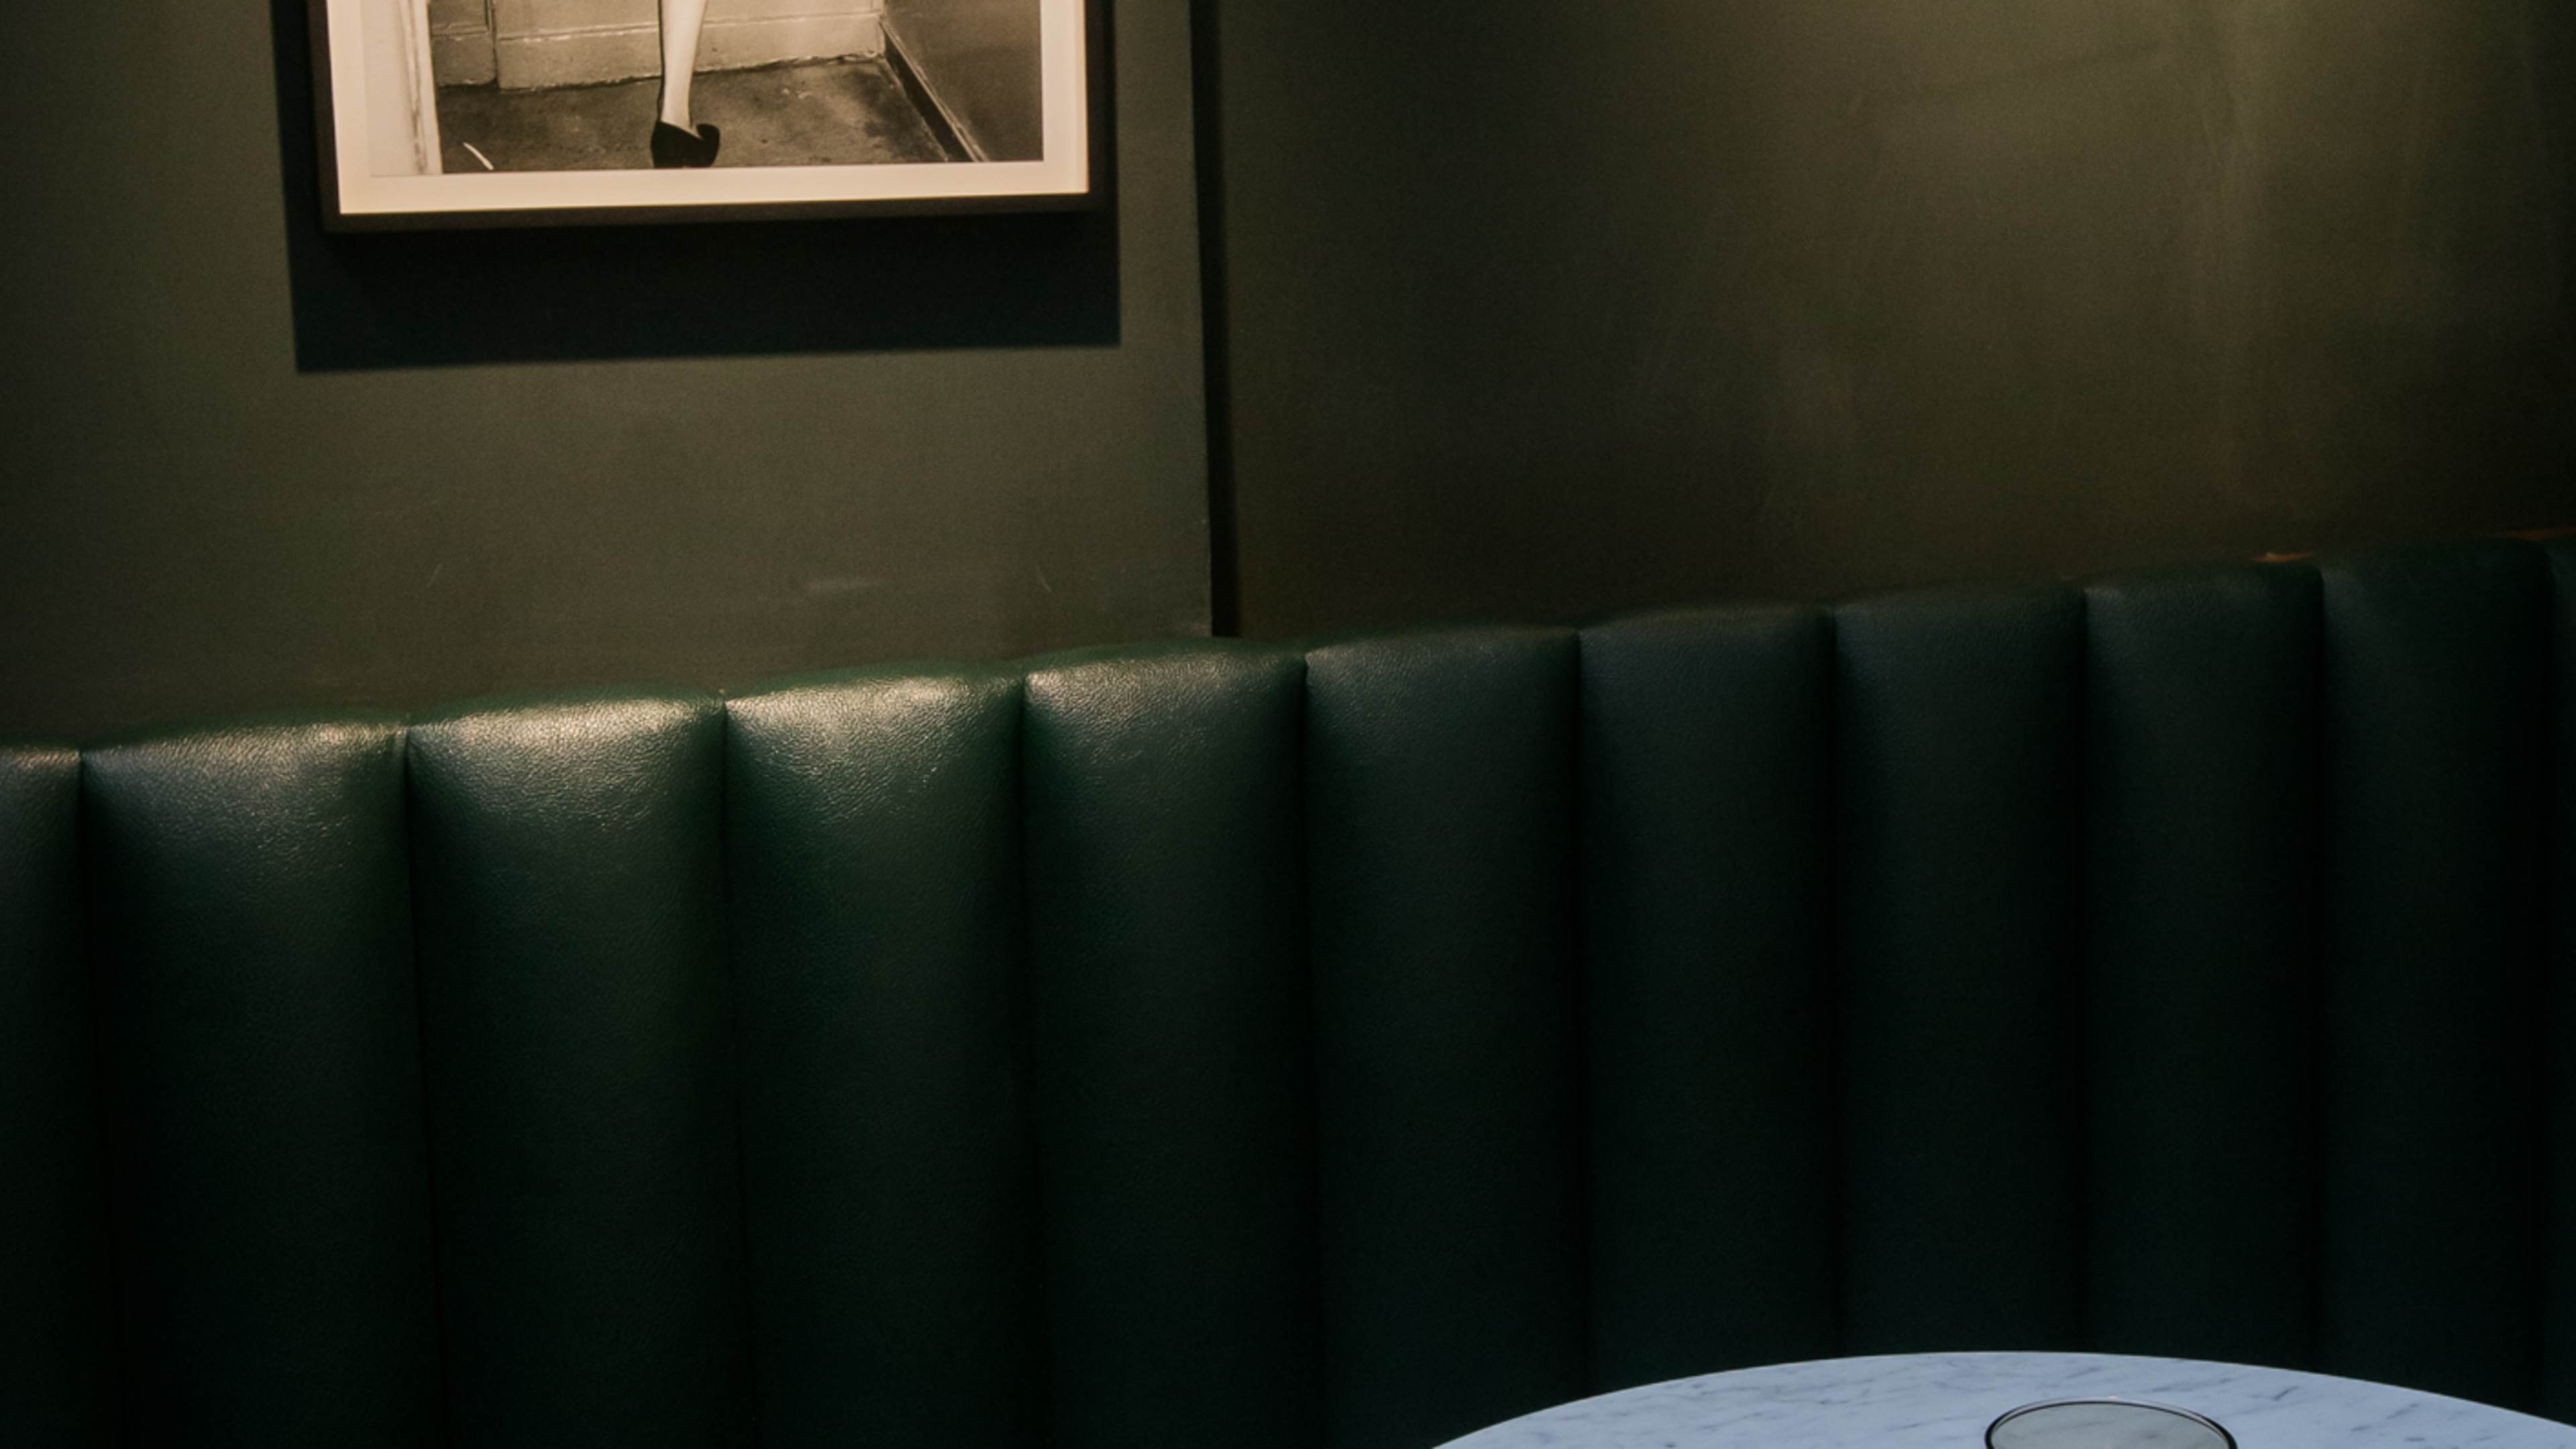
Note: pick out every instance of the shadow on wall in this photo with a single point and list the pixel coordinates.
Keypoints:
(555, 294)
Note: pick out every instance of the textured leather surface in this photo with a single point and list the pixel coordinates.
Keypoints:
(1440, 794)
(1957, 761)
(262, 1046)
(1709, 992)
(873, 886)
(2201, 805)
(569, 879)
(55, 1325)
(1330, 1048)
(2437, 688)
(1174, 1070)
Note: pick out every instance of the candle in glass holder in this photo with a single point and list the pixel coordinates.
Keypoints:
(2104, 1424)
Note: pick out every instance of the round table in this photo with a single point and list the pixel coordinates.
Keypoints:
(1920, 1401)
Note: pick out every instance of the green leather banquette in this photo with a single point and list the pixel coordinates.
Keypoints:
(1267, 1047)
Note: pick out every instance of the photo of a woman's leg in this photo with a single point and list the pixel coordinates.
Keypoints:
(677, 138)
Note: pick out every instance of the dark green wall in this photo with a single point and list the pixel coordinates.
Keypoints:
(1530, 308)
(1535, 308)
(250, 466)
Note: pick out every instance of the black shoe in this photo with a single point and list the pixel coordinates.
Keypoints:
(674, 148)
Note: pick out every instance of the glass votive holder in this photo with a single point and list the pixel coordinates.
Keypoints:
(2105, 1424)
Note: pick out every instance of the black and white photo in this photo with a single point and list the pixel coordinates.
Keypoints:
(497, 111)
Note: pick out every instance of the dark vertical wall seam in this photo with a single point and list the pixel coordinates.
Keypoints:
(1225, 588)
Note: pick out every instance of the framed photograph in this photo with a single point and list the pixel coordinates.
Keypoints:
(517, 112)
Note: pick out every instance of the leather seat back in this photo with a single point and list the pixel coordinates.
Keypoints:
(1335, 1045)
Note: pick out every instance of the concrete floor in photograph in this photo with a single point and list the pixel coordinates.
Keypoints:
(823, 113)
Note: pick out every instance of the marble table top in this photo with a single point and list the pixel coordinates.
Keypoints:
(1919, 1401)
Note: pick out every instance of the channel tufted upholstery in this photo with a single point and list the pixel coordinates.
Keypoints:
(1335, 1047)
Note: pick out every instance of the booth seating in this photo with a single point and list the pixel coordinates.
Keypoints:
(1338, 1046)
